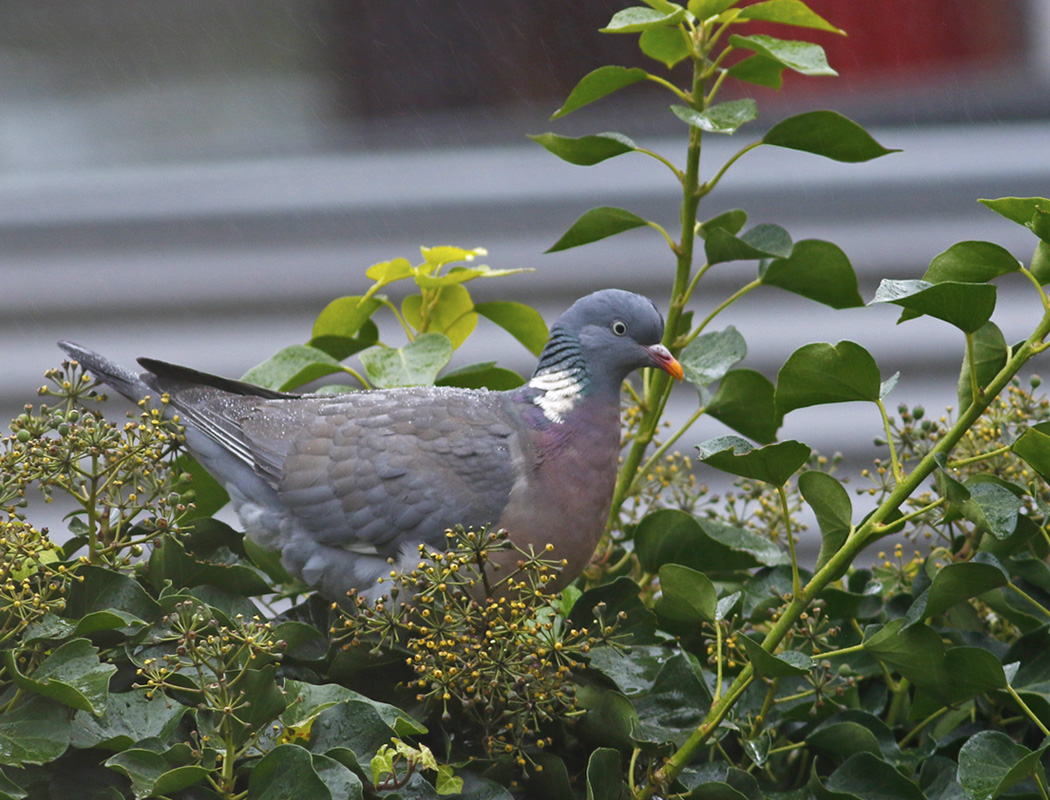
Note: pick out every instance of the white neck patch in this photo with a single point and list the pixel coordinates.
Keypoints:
(559, 390)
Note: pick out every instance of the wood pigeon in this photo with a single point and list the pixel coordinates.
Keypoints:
(344, 485)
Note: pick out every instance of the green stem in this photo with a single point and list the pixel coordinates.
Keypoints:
(1024, 707)
(1043, 609)
(900, 694)
(981, 457)
(975, 388)
(918, 728)
(844, 651)
(895, 463)
(1038, 287)
(743, 290)
(652, 154)
(711, 184)
(838, 564)
(796, 586)
(718, 660)
(656, 456)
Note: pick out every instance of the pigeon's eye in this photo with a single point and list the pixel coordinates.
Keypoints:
(619, 327)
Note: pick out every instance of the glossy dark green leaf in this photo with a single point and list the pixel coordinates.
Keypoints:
(773, 463)
(675, 706)
(864, 775)
(666, 45)
(724, 117)
(989, 351)
(954, 584)
(1040, 266)
(967, 306)
(342, 347)
(916, 651)
(103, 590)
(598, 223)
(152, 775)
(670, 536)
(709, 356)
(362, 724)
(481, 376)
(760, 71)
(816, 270)
(522, 322)
(291, 367)
(994, 508)
(821, 373)
(831, 504)
(990, 762)
(129, 717)
(169, 561)
(1040, 223)
(632, 670)
(686, 595)
(1017, 209)
(855, 731)
(731, 222)
(36, 731)
(597, 84)
(286, 773)
(762, 241)
(9, 790)
(345, 316)
(585, 151)
(1034, 447)
(805, 58)
(788, 12)
(72, 674)
(745, 402)
(604, 781)
(639, 18)
(971, 262)
(828, 134)
(788, 664)
(416, 364)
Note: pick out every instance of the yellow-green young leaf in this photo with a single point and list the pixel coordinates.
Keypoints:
(344, 316)
(453, 314)
(638, 18)
(416, 364)
(705, 9)
(597, 84)
(828, 134)
(667, 45)
(387, 272)
(291, 367)
(464, 274)
(447, 782)
(443, 254)
(788, 12)
(585, 151)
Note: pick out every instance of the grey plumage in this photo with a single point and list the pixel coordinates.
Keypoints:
(341, 484)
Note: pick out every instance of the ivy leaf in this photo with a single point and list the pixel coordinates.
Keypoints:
(828, 134)
(386, 272)
(773, 464)
(638, 18)
(788, 12)
(724, 117)
(604, 775)
(989, 357)
(705, 9)
(522, 322)
(598, 223)
(34, 732)
(1034, 447)
(481, 376)
(585, 151)
(453, 315)
(675, 706)
(416, 364)
(129, 717)
(805, 58)
(686, 595)
(666, 45)
(967, 306)
(745, 402)
(816, 270)
(990, 762)
(730, 221)
(291, 367)
(831, 504)
(762, 241)
(73, 674)
(760, 71)
(864, 775)
(789, 664)
(670, 536)
(152, 775)
(709, 356)
(597, 84)
(971, 262)
(1017, 209)
(955, 583)
(345, 316)
(821, 373)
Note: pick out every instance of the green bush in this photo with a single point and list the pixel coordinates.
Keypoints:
(157, 653)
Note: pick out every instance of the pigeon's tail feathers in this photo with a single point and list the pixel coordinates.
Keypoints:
(128, 383)
(167, 377)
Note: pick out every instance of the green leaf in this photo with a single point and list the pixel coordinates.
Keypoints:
(453, 315)
(705, 9)
(460, 275)
(169, 561)
(995, 506)
(828, 134)
(522, 322)
(954, 584)
(844, 739)
(821, 373)
(989, 351)
(720, 118)
(386, 272)
(971, 262)
(604, 771)
(805, 58)
(129, 717)
(709, 356)
(1040, 224)
(990, 762)
(864, 775)
(481, 376)
(598, 223)
(585, 151)
(670, 536)
(638, 18)
(1034, 447)
(731, 222)
(285, 773)
(597, 84)
(745, 402)
(73, 674)
(762, 241)
(788, 12)
(362, 724)
(633, 670)
(602, 603)
(152, 775)
(10, 790)
(760, 71)
(817, 270)
(967, 306)
(916, 651)
(666, 45)
(686, 595)
(1017, 209)
(773, 463)
(291, 367)
(35, 732)
(105, 590)
(789, 664)
(831, 504)
(416, 364)
(207, 493)
(345, 316)
(676, 705)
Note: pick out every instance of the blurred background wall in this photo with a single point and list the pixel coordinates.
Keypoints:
(195, 179)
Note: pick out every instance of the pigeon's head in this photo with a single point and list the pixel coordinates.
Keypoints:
(617, 332)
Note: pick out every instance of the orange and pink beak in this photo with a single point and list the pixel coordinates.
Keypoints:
(663, 359)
